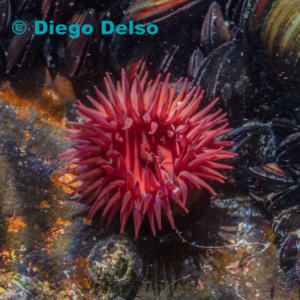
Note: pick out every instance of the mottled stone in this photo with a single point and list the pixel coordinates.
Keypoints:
(116, 269)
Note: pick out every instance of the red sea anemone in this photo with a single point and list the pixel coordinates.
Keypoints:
(141, 148)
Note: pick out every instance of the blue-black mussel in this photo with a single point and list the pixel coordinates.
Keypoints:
(287, 228)
(277, 182)
(255, 143)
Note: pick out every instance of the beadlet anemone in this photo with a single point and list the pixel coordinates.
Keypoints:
(142, 148)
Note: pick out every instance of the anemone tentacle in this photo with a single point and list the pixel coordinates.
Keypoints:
(141, 148)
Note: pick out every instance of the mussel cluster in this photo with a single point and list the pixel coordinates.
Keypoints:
(232, 49)
(276, 185)
(269, 167)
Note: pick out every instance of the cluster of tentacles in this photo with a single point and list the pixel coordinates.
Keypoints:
(141, 148)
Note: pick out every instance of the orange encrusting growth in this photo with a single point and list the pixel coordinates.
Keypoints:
(49, 103)
(142, 147)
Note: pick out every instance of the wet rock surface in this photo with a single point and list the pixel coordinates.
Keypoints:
(50, 250)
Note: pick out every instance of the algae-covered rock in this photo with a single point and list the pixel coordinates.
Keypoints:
(116, 268)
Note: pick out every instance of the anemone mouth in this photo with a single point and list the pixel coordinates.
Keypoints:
(141, 148)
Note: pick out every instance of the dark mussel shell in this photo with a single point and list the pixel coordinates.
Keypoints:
(236, 34)
(271, 172)
(295, 169)
(164, 58)
(3, 55)
(228, 73)
(289, 250)
(153, 11)
(51, 50)
(233, 11)
(195, 62)
(111, 51)
(273, 185)
(255, 144)
(289, 194)
(253, 16)
(172, 45)
(284, 126)
(214, 32)
(81, 52)
(174, 57)
(287, 222)
(167, 58)
(289, 149)
(17, 5)
(22, 49)
(54, 45)
(5, 14)
(53, 10)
